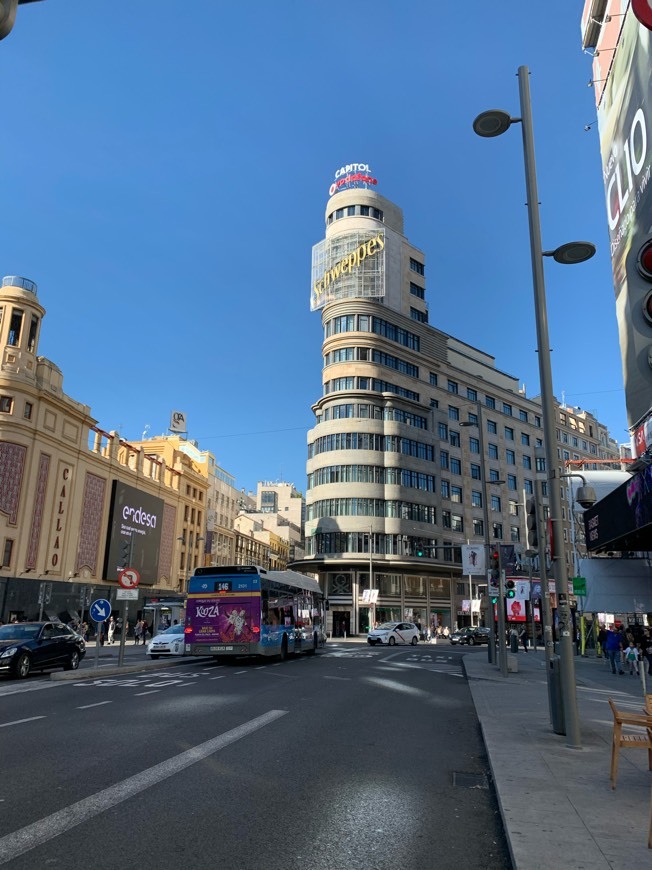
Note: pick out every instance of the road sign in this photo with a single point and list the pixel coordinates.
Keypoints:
(129, 578)
(100, 610)
(126, 594)
(579, 585)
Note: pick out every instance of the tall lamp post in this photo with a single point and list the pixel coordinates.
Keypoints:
(493, 123)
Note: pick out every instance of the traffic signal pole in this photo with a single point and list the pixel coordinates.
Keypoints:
(502, 649)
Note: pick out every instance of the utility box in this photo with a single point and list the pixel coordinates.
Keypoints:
(555, 696)
(512, 664)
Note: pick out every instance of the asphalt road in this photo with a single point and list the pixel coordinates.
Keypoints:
(354, 758)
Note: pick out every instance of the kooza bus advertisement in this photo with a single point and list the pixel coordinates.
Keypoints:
(134, 534)
(624, 118)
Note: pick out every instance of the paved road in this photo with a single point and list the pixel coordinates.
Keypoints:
(352, 758)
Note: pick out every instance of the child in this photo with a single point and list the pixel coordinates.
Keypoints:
(631, 657)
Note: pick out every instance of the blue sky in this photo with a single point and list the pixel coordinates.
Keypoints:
(165, 168)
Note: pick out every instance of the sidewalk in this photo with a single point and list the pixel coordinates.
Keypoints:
(557, 804)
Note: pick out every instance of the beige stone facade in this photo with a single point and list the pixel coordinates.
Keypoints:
(58, 471)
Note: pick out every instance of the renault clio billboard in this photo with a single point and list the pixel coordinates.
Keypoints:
(134, 533)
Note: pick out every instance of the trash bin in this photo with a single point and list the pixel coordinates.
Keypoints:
(555, 696)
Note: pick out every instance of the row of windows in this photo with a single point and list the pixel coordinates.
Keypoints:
(372, 474)
(16, 321)
(574, 441)
(419, 316)
(371, 441)
(416, 266)
(489, 401)
(338, 385)
(371, 507)
(353, 410)
(365, 354)
(367, 323)
(417, 291)
(353, 210)
(7, 407)
(391, 545)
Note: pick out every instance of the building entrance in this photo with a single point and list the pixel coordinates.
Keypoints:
(341, 623)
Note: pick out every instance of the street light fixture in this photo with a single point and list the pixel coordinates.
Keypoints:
(489, 124)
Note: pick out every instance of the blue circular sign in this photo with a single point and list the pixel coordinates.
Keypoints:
(100, 610)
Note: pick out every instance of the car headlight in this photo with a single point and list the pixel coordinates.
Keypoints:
(8, 653)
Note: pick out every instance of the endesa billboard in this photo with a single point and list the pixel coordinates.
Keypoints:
(134, 533)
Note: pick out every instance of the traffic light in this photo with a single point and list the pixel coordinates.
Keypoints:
(419, 550)
(125, 546)
(8, 15)
(510, 591)
(494, 570)
(532, 530)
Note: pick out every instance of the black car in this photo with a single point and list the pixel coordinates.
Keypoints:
(28, 646)
(471, 636)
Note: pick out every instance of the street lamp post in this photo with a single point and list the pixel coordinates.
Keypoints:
(494, 123)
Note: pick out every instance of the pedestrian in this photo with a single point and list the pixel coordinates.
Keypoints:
(631, 658)
(647, 649)
(602, 640)
(613, 649)
(144, 629)
(110, 630)
(522, 636)
(137, 632)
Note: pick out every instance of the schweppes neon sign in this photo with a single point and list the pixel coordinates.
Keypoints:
(348, 264)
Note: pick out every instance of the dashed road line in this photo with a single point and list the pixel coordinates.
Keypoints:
(99, 704)
(21, 721)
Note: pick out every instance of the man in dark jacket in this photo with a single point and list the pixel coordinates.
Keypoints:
(613, 646)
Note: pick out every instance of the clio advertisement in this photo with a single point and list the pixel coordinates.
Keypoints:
(134, 533)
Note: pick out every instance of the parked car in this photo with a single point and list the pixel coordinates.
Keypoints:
(470, 636)
(168, 643)
(391, 633)
(34, 646)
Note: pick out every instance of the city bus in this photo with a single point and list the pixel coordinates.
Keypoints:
(247, 610)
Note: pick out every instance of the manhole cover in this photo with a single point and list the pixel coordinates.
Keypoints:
(470, 780)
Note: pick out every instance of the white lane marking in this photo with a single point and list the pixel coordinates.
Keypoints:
(99, 704)
(183, 685)
(152, 692)
(25, 839)
(218, 678)
(239, 672)
(20, 721)
(336, 678)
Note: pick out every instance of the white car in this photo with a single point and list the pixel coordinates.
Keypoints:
(391, 633)
(169, 643)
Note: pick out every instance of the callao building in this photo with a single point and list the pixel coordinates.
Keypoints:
(422, 450)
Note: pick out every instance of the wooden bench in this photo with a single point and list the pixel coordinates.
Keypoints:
(639, 740)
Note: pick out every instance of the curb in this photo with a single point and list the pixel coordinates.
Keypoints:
(93, 673)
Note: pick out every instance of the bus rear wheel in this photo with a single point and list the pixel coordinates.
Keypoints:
(284, 648)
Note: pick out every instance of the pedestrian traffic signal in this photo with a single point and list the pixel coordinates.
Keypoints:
(531, 521)
(510, 591)
(419, 550)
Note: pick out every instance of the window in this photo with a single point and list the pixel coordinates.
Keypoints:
(15, 327)
(456, 465)
(513, 508)
(493, 451)
(446, 519)
(494, 476)
(522, 415)
(497, 529)
(476, 472)
(339, 213)
(453, 413)
(474, 445)
(6, 553)
(443, 459)
(471, 395)
(509, 433)
(507, 409)
(511, 482)
(457, 523)
(495, 503)
(445, 489)
(364, 210)
(476, 498)
(478, 527)
(514, 534)
(31, 340)
(443, 431)
(473, 418)
(419, 316)
(527, 462)
(537, 421)
(27, 413)
(417, 267)
(454, 438)
(453, 387)
(492, 428)
(433, 379)
(456, 494)
(525, 439)
(417, 291)
(490, 402)
(510, 457)
(528, 487)
(6, 404)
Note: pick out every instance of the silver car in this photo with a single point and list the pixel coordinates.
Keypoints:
(168, 643)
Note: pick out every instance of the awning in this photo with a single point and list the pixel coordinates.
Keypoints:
(616, 586)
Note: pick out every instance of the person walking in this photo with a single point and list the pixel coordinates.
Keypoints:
(110, 631)
(137, 632)
(631, 658)
(613, 649)
(522, 636)
(144, 628)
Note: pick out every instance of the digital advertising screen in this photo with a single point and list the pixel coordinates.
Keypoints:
(134, 533)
